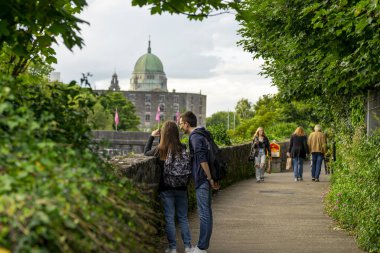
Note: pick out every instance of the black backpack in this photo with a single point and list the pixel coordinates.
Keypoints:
(177, 169)
(216, 163)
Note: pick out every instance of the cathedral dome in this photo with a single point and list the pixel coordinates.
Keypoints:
(148, 74)
(148, 63)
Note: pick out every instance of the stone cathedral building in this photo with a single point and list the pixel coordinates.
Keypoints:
(148, 91)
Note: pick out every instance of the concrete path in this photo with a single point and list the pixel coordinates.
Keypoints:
(277, 216)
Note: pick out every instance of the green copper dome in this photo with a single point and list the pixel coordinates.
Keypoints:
(148, 63)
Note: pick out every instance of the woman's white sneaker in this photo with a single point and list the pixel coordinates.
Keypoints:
(189, 250)
(198, 250)
(171, 251)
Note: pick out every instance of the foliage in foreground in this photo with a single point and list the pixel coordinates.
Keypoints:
(354, 197)
(56, 194)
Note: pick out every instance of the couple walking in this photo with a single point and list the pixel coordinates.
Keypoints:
(299, 148)
(175, 199)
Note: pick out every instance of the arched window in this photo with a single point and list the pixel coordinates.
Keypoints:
(147, 98)
(147, 107)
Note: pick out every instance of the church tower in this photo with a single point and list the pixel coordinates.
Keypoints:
(114, 83)
(148, 74)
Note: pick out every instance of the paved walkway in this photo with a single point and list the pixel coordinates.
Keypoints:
(277, 216)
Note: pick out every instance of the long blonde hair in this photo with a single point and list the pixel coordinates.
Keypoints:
(257, 132)
(299, 131)
(169, 140)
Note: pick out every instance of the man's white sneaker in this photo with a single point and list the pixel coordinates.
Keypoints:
(189, 250)
(171, 251)
(198, 250)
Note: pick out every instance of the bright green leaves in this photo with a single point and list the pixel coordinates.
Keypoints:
(315, 49)
(56, 194)
(196, 10)
(30, 28)
(354, 197)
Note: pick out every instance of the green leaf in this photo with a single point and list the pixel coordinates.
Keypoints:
(3, 28)
(19, 50)
(51, 59)
(363, 23)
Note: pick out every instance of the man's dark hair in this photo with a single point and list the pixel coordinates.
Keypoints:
(190, 118)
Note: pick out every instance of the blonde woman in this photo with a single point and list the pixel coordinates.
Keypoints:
(297, 151)
(261, 146)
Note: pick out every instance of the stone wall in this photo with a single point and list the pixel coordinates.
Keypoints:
(146, 174)
(373, 111)
(144, 171)
(121, 143)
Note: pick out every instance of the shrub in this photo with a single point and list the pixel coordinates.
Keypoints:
(56, 194)
(219, 134)
(281, 131)
(354, 197)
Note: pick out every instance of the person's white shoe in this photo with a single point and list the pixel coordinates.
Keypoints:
(198, 250)
(171, 251)
(189, 250)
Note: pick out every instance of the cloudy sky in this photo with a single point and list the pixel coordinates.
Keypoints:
(197, 56)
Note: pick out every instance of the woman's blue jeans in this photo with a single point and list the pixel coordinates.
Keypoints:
(176, 202)
(260, 164)
(297, 167)
(203, 194)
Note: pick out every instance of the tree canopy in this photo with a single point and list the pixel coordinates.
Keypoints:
(222, 119)
(57, 195)
(243, 108)
(197, 10)
(112, 101)
(29, 28)
(314, 48)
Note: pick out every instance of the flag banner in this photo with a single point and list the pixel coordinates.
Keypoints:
(116, 118)
(158, 113)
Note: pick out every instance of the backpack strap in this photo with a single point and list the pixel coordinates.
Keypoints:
(207, 137)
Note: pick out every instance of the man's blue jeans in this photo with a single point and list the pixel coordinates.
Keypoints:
(203, 194)
(298, 167)
(176, 201)
(316, 163)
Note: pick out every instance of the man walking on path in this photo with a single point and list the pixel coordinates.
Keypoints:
(317, 147)
(202, 177)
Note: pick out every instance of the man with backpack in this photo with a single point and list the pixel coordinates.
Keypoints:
(204, 183)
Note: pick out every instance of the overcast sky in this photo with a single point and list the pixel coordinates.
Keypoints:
(197, 56)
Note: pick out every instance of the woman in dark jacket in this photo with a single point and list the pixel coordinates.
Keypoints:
(174, 199)
(297, 151)
(260, 144)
